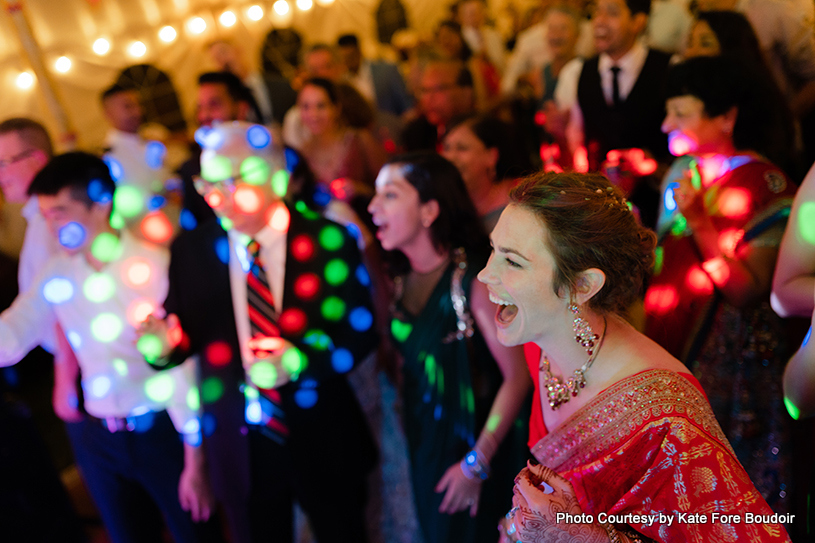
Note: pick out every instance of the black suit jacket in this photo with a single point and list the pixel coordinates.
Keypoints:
(318, 252)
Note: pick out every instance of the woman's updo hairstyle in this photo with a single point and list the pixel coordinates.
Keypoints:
(590, 225)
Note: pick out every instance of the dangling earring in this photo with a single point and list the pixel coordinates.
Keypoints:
(583, 333)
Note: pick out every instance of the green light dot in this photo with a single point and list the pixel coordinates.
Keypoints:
(336, 272)
(120, 366)
(294, 362)
(149, 345)
(255, 170)
(159, 388)
(211, 390)
(659, 259)
(106, 327)
(217, 168)
(401, 330)
(679, 226)
(332, 308)
(806, 222)
(251, 393)
(430, 369)
(117, 221)
(280, 183)
(99, 287)
(493, 422)
(226, 223)
(263, 374)
(128, 201)
(106, 247)
(794, 412)
(317, 339)
(194, 399)
(305, 211)
(331, 238)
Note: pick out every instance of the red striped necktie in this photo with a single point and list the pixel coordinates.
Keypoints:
(263, 323)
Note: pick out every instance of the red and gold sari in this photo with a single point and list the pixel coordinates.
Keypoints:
(650, 444)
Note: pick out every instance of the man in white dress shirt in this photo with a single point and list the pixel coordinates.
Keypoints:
(99, 289)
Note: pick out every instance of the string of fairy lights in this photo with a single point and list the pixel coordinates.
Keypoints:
(195, 25)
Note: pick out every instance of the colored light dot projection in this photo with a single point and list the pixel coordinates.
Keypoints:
(401, 330)
(306, 398)
(193, 399)
(336, 272)
(216, 168)
(659, 260)
(258, 137)
(218, 353)
(154, 154)
(734, 203)
(263, 374)
(698, 281)
(318, 340)
(302, 247)
(214, 200)
(99, 386)
(254, 412)
(137, 272)
(679, 144)
(115, 167)
(247, 199)
(729, 240)
(222, 249)
(280, 183)
(362, 275)
(280, 219)
(254, 170)
(157, 201)
(293, 321)
(794, 412)
(209, 138)
(806, 222)
(106, 247)
(117, 221)
(150, 346)
(98, 193)
(309, 214)
(106, 327)
(159, 388)
(493, 422)
(307, 286)
(225, 223)
(680, 225)
(58, 290)
(331, 238)
(342, 360)
(187, 220)
(72, 235)
(128, 201)
(211, 390)
(294, 362)
(332, 308)
(660, 300)
(361, 319)
(74, 339)
(138, 311)
(99, 287)
(669, 199)
(120, 367)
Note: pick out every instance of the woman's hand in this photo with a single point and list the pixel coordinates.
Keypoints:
(689, 200)
(539, 495)
(461, 491)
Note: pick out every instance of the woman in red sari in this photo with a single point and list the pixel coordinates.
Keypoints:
(627, 430)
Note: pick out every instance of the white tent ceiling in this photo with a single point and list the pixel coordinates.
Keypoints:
(70, 27)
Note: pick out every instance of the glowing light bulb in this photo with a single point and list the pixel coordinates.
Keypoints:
(196, 25)
(228, 18)
(305, 5)
(167, 34)
(255, 13)
(62, 64)
(25, 80)
(101, 46)
(281, 7)
(137, 49)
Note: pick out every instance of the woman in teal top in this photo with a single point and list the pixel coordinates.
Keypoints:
(462, 390)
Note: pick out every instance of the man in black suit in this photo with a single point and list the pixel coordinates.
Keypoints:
(275, 329)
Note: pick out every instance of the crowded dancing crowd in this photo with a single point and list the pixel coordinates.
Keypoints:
(543, 280)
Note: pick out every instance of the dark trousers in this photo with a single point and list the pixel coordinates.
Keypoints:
(122, 468)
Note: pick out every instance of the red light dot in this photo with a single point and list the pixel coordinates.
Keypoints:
(390, 146)
(729, 240)
(717, 269)
(293, 321)
(581, 160)
(218, 353)
(157, 228)
(247, 199)
(337, 188)
(540, 118)
(139, 310)
(302, 247)
(306, 286)
(680, 144)
(661, 299)
(279, 219)
(734, 203)
(647, 166)
(699, 281)
(214, 199)
(138, 273)
(614, 156)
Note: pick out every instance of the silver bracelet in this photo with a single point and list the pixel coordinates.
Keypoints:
(474, 465)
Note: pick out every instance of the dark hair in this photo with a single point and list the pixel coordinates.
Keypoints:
(513, 161)
(722, 83)
(329, 87)
(436, 178)
(639, 6)
(115, 89)
(30, 132)
(589, 225)
(85, 175)
(348, 40)
(234, 86)
(450, 24)
(735, 35)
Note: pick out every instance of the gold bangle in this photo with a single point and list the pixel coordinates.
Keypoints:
(613, 535)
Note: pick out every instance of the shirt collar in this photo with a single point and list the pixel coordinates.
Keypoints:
(630, 63)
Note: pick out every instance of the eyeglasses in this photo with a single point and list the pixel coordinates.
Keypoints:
(205, 188)
(16, 158)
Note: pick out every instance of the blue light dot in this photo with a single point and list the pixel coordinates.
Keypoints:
(116, 171)
(193, 440)
(254, 412)
(321, 196)
(292, 159)
(192, 426)
(100, 386)
(258, 137)
(71, 235)
(58, 290)
(187, 220)
(670, 203)
(362, 275)
(361, 319)
(209, 138)
(342, 360)
(807, 337)
(222, 249)
(305, 398)
(437, 412)
(156, 202)
(354, 230)
(154, 154)
(98, 193)
(208, 424)
(74, 339)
